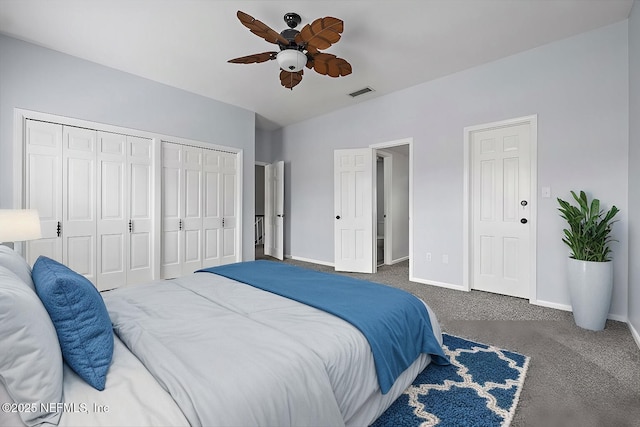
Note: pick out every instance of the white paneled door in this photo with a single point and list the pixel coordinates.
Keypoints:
(274, 210)
(43, 189)
(229, 246)
(92, 190)
(354, 175)
(79, 200)
(501, 209)
(192, 209)
(124, 210)
(112, 209)
(172, 211)
(219, 205)
(199, 209)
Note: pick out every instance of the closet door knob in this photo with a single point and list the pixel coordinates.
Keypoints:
(337, 216)
(130, 226)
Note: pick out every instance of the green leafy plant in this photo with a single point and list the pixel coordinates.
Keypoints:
(589, 232)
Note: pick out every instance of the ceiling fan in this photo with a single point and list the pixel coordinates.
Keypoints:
(298, 48)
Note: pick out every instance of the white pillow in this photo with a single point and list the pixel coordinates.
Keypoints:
(30, 356)
(8, 419)
(14, 262)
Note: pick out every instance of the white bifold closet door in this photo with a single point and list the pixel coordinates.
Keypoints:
(199, 229)
(92, 191)
(124, 209)
(79, 201)
(43, 186)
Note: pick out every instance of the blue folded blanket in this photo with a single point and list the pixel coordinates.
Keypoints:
(395, 322)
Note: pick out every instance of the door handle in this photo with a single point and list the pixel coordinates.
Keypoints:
(337, 216)
(523, 220)
(130, 226)
(59, 229)
(180, 224)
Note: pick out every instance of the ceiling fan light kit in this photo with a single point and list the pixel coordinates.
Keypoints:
(291, 60)
(298, 48)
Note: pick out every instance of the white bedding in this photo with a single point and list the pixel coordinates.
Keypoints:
(132, 397)
(236, 356)
(228, 340)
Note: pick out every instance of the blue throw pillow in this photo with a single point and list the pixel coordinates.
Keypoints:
(80, 317)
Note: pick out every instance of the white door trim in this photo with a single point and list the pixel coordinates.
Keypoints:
(467, 231)
(395, 143)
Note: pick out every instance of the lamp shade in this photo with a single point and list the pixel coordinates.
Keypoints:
(17, 225)
(291, 60)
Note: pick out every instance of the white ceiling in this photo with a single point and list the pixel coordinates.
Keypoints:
(391, 44)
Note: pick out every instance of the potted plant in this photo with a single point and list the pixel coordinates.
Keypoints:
(590, 270)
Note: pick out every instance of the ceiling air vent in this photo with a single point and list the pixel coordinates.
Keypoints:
(360, 92)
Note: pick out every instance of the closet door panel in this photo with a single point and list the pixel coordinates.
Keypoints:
(192, 202)
(43, 186)
(172, 243)
(79, 201)
(140, 265)
(112, 211)
(229, 196)
(212, 215)
(199, 194)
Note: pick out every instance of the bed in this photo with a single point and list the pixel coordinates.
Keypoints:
(203, 349)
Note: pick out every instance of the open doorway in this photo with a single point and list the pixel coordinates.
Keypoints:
(259, 211)
(357, 227)
(392, 191)
(269, 210)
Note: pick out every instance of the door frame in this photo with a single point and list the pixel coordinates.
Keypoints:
(467, 202)
(381, 146)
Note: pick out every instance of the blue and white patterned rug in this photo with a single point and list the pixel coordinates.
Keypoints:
(480, 388)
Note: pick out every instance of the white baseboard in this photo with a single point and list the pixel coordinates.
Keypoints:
(634, 334)
(396, 261)
(567, 307)
(439, 284)
(541, 303)
(312, 261)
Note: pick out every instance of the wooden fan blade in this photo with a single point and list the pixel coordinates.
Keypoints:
(289, 80)
(321, 33)
(260, 29)
(255, 58)
(330, 65)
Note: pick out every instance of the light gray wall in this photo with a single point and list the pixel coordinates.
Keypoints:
(578, 87)
(39, 79)
(263, 146)
(400, 205)
(634, 166)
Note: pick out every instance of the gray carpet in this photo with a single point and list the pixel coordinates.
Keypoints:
(576, 377)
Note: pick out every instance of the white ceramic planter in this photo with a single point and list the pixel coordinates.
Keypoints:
(590, 288)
